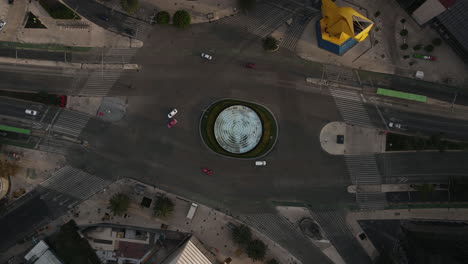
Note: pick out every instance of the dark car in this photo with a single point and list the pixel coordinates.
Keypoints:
(103, 17)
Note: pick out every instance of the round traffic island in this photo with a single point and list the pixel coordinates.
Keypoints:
(238, 129)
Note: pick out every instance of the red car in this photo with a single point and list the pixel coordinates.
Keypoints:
(250, 65)
(207, 171)
(63, 100)
(172, 123)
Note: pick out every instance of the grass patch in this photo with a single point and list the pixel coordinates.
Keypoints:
(33, 22)
(40, 97)
(58, 10)
(48, 47)
(70, 247)
(397, 142)
(269, 127)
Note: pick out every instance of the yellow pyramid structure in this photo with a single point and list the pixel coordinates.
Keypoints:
(341, 27)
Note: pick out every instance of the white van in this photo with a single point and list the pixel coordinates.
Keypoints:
(192, 210)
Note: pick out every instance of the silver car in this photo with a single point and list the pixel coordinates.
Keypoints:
(206, 56)
(2, 24)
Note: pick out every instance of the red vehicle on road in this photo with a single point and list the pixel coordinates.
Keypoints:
(207, 171)
(172, 123)
(250, 65)
(63, 100)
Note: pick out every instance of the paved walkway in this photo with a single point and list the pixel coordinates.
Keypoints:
(208, 225)
(381, 53)
(64, 32)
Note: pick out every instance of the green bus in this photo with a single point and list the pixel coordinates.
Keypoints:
(15, 130)
(402, 95)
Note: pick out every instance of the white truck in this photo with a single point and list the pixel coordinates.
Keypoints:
(192, 210)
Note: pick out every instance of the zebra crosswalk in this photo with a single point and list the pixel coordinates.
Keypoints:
(266, 17)
(372, 200)
(363, 169)
(334, 225)
(283, 232)
(70, 123)
(351, 107)
(99, 83)
(69, 185)
(339, 74)
(131, 27)
(295, 30)
(105, 56)
(55, 145)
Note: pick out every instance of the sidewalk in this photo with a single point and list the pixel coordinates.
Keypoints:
(201, 11)
(380, 52)
(208, 225)
(58, 31)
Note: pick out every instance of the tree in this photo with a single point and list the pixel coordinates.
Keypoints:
(246, 5)
(181, 19)
(163, 18)
(270, 43)
(376, 14)
(429, 48)
(436, 42)
(404, 32)
(130, 6)
(404, 46)
(256, 250)
(119, 203)
(163, 206)
(272, 261)
(8, 169)
(241, 234)
(403, 21)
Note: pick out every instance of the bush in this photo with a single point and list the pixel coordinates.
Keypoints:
(377, 14)
(406, 57)
(270, 43)
(163, 206)
(417, 47)
(256, 250)
(403, 20)
(130, 6)
(429, 48)
(181, 19)
(241, 235)
(119, 203)
(404, 46)
(404, 32)
(376, 42)
(163, 18)
(436, 42)
(246, 5)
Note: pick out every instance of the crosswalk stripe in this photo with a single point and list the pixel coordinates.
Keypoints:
(351, 107)
(100, 82)
(70, 123)
(55, 146)
(372, 201)
(340, 74)
(363, 169)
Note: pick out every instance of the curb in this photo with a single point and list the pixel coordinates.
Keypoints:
(86, 66)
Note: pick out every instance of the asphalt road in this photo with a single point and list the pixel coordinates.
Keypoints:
(17, 108)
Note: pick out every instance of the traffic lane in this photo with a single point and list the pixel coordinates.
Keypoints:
(22, 222)
(429, 125)
(424, 164)
(18, 108)
(25, 82)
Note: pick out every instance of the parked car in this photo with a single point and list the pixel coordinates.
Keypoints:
(2, 24)
(394, 125)
(172, 123)
(30, 112)
(103, 17)
(250, 65)
(260, 163)
(172, 113)
(424, 57)
(206, 56)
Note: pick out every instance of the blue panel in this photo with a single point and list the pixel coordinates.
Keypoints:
(332, 47)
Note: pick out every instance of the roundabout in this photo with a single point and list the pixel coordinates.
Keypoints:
(238, 129)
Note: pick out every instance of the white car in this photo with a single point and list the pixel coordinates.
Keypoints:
(391, 124)
(206, 56)
(260, 163)
(172, 113)
(2, 24)
(31, 112)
